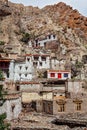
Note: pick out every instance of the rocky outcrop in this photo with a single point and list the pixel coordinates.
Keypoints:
(65, 16)
(5, 10)
(68, 24)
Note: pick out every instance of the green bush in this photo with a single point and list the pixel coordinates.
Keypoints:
(2, 42)
(1, 75)
(26, 37)
(3, 125)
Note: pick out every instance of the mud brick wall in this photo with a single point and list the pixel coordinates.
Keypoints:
(48, 107)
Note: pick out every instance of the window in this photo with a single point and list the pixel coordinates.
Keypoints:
(36, 40)
(34, 63)
(20, 75)
(36, 58)
(20, 67)
(49, 36)
(43, 58)
(13, 107)
(52, 75)
(78, 103)
(54, 36)
(17, 88)
(26, 67)
(28, 59)
(78, 106)
(44, 44)
(66, 75)
(7, 73)
(61, 108)
(40, 63)
(25, 75)
(59, 75)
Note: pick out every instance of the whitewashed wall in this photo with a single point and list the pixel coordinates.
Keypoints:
(7, 108)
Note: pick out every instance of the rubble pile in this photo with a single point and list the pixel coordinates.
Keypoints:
(35, 121)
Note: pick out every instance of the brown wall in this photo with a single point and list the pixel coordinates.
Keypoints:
(70, 106)
(52, 107)
(48, 107)
(39, 106)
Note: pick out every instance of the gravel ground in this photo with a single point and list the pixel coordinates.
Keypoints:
(36, 121)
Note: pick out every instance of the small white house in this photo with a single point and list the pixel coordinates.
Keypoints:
(12, 106)
(42, 42)
(59, 74)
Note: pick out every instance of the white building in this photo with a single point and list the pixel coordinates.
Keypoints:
(20, 70)
(12, 106)
(25, 69)
(42, 42)
(59, 74)
(57, 65)
(38, 61)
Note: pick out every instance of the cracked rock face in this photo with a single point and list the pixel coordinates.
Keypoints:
(4, 10)
(68, 24)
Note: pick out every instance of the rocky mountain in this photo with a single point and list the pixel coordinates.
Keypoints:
(4, 10)
(68, 24)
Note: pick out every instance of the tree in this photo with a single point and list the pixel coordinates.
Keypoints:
(26, 37)
(1, 75)
(3, 125)
(76, 68)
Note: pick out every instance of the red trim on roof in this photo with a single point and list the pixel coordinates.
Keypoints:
(3, 60)
(59, 71)
(28, 55)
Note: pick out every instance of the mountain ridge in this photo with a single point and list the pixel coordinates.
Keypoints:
(68, 24)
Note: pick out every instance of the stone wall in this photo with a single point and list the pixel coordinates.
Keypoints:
(35, 96)
(70, 106)
(74, 86)
(30, 96)
(39, 106)
(30, 87)
(12, 108)
(48, 106)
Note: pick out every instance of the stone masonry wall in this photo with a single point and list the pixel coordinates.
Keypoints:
(12, 108)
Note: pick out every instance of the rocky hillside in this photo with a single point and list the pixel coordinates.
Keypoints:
(68, 24)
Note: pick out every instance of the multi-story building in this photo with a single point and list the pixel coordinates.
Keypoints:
(20, 70)
(25, 69)
(39, 61)
(41, 42)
